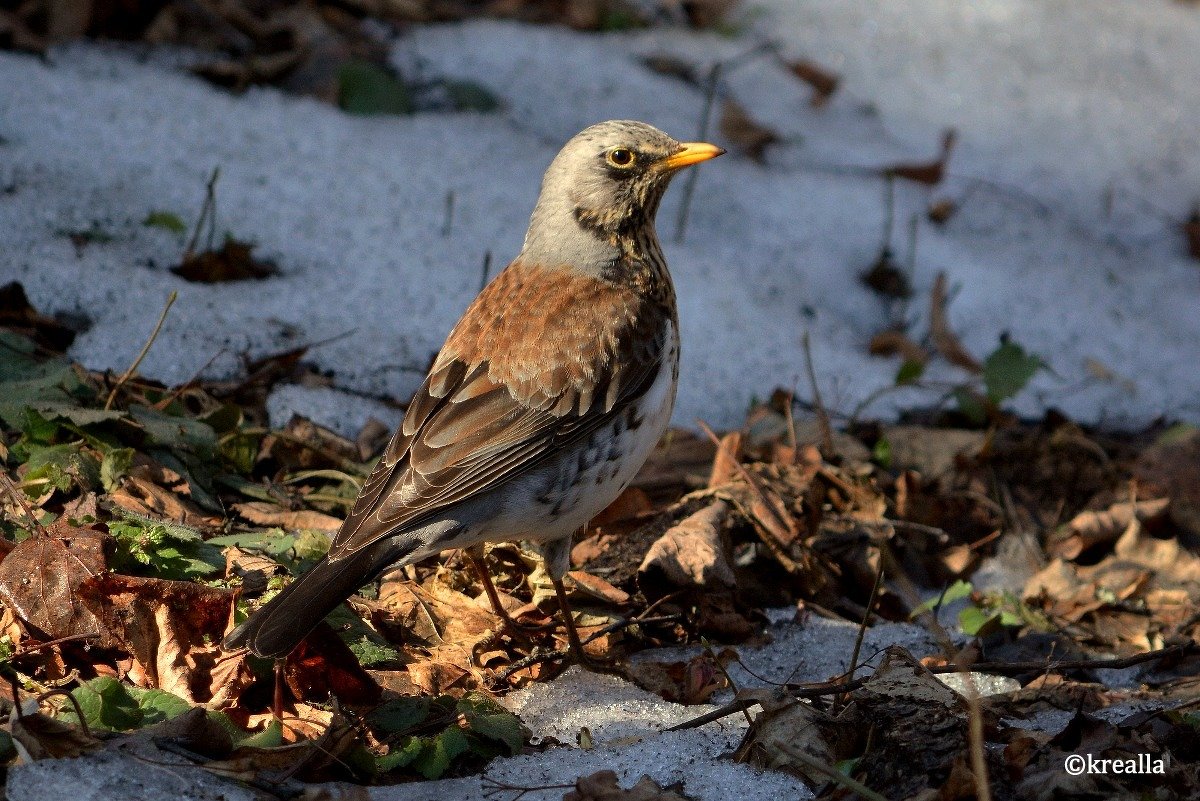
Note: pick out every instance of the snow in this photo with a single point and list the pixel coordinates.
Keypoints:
(1076, 125)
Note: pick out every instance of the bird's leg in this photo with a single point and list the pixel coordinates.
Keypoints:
(577, 653)
(475, 556)
(558, 559)
(277, 697)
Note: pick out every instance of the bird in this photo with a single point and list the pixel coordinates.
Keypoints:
(547, 397)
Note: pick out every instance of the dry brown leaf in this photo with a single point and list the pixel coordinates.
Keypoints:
(944, 338)
(1172, 469)
(172, 629)
(893, 343)
(597, 587)
(941, 210)
(44, 737)
(268, 514)
(1088, 529)
(740, 129)
(725, 463)
(691, 553)
(323, 665)
(603, 786)
(40, 580)
(929, 173)
(148, 499)
(823, 82)
(691, 682)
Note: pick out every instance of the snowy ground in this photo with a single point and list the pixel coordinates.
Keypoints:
(1082, 121)
(1079, 118)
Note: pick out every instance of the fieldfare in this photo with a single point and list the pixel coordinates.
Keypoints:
(545, 400)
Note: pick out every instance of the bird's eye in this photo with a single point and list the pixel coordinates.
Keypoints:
(620, 157)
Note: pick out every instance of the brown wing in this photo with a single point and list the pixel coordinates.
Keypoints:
(542, 358)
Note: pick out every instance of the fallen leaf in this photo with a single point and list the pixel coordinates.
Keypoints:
(234, 261)
(172, 629)
(691, 553)
(603, 786)
(944, 338)
(740, 129)
(823, 82)
(40, 580)
(1088, 529)
(929, 173)
(268, 514)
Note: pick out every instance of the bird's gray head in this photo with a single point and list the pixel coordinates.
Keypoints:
(604, 188)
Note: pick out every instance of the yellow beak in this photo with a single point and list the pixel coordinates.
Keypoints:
(692, 153)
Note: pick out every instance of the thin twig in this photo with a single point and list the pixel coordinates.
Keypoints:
(833, 774)
(23, 502)
(485, 273)
(862, 629)
(818, 405)
(448, 219)
(689, 186)
(74, 702)
(112, 396)
(208, 212)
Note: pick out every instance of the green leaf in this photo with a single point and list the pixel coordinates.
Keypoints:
(370, 653)
(909, 373)
(64, 466)
(971, 405)
(399, 757)
(366, 88)
(399, 715)
(975, 621)
(440, 751)
(158, 705)
(470, 96)
(114, 466)
(881, 454)
(166, 220)
(1008, 369)
(955, 592)
(270, 737)
(489, 720)
(177, 433)
(106, 704)
(7, 749)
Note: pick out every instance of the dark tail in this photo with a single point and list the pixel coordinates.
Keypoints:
(278, 627)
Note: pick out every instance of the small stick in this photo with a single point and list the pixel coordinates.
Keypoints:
(112, 396)
(208, 211)
(831, 773)
(448, 218)
(689, 186)
(74, 702)
(862, 629)
(818, 405)
(889, 214)
(19, 497)
(486, 271)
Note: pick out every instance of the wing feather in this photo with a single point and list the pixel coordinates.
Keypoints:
(482, 416)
